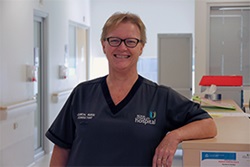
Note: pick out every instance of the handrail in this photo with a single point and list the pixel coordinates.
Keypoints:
(17, 109)
(60, 95)
(18, 104)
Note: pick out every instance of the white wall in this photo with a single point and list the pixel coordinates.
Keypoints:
(159, 16)
(16, 51)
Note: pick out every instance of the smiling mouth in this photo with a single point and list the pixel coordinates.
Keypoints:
(122, 56)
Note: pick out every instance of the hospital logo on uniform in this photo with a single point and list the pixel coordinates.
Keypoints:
(150, 119)
(152, 114)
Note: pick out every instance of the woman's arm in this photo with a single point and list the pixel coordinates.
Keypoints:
(59, 157)
(165, 151)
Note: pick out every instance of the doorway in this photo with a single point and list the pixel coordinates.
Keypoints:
(175, 62)
(77, 60)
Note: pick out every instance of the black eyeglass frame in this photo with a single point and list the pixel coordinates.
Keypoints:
(123, 40)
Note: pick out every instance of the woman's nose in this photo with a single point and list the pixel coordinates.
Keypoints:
(122, 45)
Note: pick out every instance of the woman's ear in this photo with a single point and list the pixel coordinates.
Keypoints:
(141, 50)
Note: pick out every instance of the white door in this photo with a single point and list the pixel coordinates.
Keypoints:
(175, 62)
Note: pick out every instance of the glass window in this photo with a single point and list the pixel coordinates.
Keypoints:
(230, 41)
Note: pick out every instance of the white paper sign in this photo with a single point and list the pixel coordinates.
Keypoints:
(222, 159)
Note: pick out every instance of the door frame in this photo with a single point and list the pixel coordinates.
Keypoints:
(43, 79)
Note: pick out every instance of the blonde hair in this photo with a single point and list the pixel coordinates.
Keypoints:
(118, 18)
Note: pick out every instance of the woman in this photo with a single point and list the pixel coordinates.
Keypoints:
(123, 119)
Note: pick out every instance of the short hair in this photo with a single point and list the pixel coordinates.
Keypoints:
(117, 18)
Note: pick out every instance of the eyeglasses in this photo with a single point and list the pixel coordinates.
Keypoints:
(129, 42)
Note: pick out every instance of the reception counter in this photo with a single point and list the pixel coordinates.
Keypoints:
(233, 137)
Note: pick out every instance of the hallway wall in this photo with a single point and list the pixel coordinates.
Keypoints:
(16, 51)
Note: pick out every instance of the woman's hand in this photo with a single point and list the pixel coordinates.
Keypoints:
(201, 129)
(165, 151)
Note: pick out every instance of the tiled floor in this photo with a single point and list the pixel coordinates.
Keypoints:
(44, 161)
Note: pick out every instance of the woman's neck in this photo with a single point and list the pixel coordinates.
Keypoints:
(122, 79)
(120, 85)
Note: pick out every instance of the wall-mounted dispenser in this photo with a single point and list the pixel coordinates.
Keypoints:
(63, 72)
(31, 72)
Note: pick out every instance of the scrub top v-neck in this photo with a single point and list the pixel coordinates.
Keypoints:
(116, 108)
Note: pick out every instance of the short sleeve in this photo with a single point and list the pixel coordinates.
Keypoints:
(181, 110)
(62, 130)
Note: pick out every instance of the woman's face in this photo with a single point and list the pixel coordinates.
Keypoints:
(123, 58)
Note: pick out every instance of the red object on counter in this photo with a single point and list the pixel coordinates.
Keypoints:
(221, 80)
